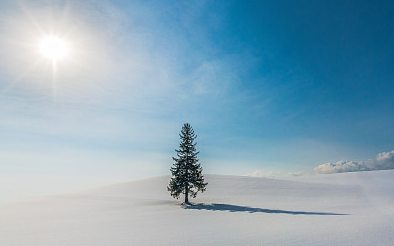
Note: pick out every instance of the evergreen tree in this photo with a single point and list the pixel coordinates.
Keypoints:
(186, 172)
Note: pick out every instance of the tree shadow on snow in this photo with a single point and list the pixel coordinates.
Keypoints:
(235, 208)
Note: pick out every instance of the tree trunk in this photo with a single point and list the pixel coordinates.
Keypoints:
(187, 194)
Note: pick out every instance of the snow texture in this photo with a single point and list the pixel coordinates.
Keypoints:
(338, 209)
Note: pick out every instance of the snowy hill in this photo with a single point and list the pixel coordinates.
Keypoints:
(336, 209)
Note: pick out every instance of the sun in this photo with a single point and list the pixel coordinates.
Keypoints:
(53, 48)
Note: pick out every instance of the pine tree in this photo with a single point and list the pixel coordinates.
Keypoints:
(186, 172)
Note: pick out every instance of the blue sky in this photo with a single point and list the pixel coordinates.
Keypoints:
(272, 86)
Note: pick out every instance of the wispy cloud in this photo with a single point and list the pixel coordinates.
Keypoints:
(260, 174)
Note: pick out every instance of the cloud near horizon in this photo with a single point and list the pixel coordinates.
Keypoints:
(261, 174)
(383, 161)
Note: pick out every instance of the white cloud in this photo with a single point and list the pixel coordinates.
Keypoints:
(267, 174)
(341, 167)
(383, 161)
(259, 174)
(297, 174)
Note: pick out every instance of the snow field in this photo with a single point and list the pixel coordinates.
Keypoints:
(336, 209)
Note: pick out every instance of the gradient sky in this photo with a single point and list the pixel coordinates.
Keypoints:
(269, 86)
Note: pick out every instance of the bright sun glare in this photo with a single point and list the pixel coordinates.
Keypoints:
(53, 48)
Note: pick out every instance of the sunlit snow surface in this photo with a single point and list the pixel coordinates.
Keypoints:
(337, 209)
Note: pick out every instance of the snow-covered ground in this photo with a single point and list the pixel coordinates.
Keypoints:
(336, 209)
